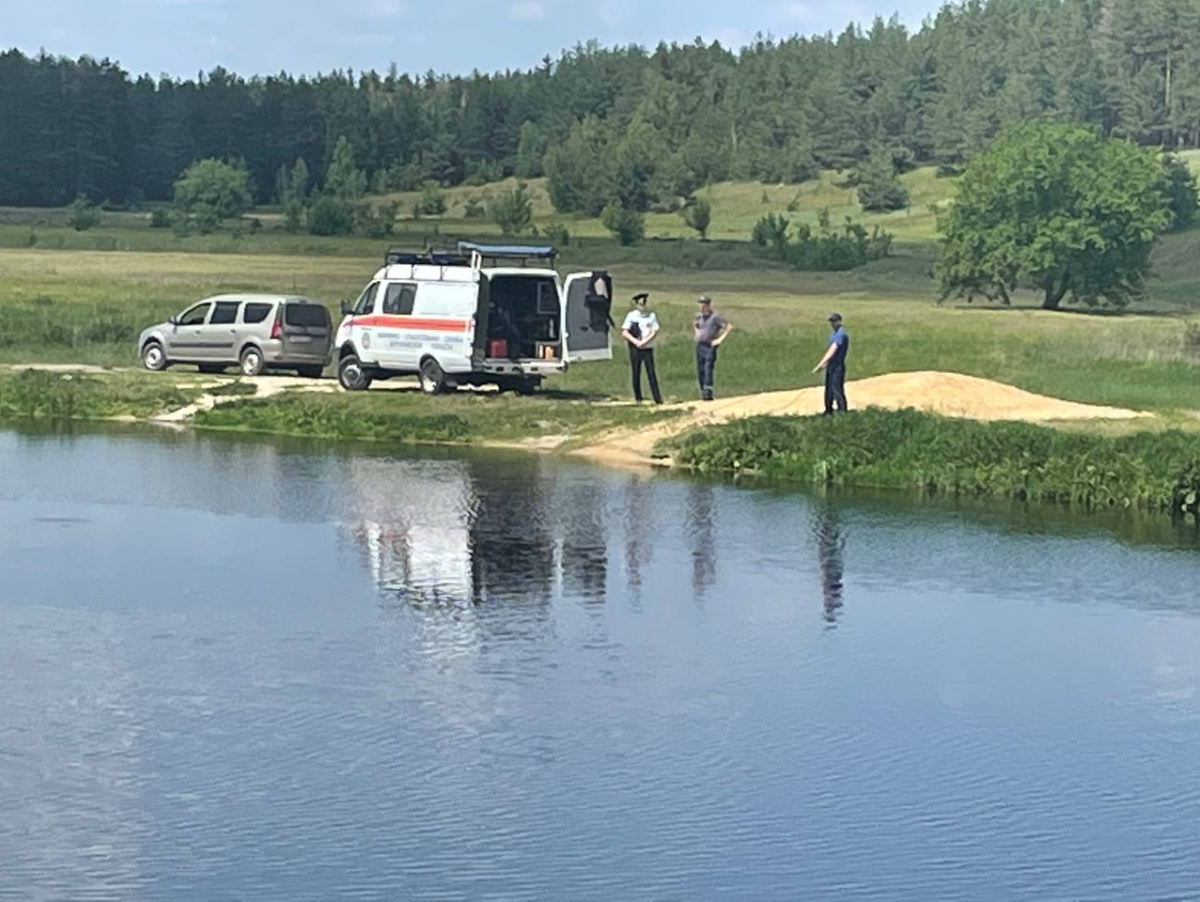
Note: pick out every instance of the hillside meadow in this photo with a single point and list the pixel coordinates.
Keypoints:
(81, 297)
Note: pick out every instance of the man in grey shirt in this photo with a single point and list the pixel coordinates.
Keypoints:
(710, 330)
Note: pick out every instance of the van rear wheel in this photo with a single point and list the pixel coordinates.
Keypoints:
(351, 375)
(433, 377)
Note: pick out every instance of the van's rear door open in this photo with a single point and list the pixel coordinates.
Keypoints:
(587, 311)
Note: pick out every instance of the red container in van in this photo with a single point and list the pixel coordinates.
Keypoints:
(497, 347)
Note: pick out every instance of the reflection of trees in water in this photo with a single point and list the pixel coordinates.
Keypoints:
(700, 524)
(831, 547)
(581, 508)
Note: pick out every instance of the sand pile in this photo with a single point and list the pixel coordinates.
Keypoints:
(948, 394)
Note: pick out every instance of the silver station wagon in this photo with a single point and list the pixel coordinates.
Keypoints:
(254, 332)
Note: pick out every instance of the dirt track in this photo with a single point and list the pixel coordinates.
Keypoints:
(949, 394)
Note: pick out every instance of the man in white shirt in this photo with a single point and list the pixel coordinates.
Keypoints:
(640, 330)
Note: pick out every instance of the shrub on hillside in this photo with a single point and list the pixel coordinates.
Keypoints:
(558, 234)
(82, 215)
(824, 249)
(1181, 192)
(627, 226)
(432, 201)
(223, 188)
(512, 210)
(771, 231)
(474, 208)
(330, 215)
(879, 190)
(697, 213)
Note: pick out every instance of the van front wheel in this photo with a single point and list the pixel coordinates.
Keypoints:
(351, 375)
(433, 377)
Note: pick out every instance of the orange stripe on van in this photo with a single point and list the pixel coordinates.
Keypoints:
(392, 321)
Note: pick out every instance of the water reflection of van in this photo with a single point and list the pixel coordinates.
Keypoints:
(413, 521)
(476, 316)
(453, 531)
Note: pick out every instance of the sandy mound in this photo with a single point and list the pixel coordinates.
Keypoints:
(948, 394)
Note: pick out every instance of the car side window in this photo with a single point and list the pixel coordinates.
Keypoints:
(255, 313)
(366, 303)
(400, 298)
(224, 313)
(196, 316)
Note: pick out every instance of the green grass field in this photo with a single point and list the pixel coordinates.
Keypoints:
(83, 296)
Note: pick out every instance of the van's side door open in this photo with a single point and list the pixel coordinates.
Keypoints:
(587, 312)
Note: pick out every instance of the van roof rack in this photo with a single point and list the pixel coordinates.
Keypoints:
(437, 258)
(520, 253)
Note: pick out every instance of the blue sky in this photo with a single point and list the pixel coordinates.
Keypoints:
(183, 37)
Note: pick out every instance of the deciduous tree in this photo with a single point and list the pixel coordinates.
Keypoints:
(1058, 209)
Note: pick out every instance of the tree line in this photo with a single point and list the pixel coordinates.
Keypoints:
(620, 127)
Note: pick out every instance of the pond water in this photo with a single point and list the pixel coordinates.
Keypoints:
(246, 670)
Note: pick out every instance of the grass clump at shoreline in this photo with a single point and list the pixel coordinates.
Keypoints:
(913, 450)
(42, 395)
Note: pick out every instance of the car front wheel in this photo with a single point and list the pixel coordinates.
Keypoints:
(153, 357)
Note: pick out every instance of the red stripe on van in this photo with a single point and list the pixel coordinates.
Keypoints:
(414, 322)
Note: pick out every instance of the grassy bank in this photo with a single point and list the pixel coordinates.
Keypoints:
(38, 395)
(403, 416)
(911, 450)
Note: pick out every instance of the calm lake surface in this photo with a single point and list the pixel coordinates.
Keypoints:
(239, 670)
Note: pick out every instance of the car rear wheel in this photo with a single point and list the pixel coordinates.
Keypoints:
(252, 362)
(154, 358)
(433, 377)
(351, 375)
(310, 372)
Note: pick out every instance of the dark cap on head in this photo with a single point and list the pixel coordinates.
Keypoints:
(835, 317)
(704, 299)
(641, 296)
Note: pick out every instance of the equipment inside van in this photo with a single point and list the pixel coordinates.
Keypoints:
(473, 316)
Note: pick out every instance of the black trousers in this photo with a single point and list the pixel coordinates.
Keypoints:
(835, 389)
(706, 361)
(639, 357)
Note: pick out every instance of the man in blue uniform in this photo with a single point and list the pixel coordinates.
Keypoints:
(834, 365)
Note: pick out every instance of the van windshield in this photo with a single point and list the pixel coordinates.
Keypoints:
(306, 315)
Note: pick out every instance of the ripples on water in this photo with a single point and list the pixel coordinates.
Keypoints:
(240, 671)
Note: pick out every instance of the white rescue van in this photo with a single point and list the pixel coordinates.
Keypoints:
(479, 315)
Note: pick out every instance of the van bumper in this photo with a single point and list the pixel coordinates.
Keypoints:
(527, 367)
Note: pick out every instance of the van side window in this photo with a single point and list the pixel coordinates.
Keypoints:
(196, 316)
(399, 298)
(255, 313)
(366, 303)
(224, 313)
